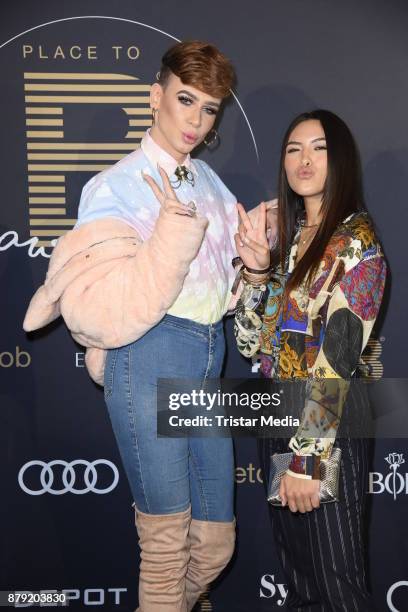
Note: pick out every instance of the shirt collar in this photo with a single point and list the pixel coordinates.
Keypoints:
(156, 155)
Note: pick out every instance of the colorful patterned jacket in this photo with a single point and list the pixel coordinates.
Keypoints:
(318, 332)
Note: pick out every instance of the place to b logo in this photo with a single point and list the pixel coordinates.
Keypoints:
(77, 102)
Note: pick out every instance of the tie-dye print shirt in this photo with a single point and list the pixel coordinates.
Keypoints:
(318, 332)
(121, 192)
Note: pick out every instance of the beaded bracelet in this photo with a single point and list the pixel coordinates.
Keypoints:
(256, 278)
(252, 271)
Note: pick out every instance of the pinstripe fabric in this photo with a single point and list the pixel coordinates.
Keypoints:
(322, 552)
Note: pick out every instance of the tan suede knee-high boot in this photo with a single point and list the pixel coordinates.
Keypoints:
(164, 554)
(211, 547)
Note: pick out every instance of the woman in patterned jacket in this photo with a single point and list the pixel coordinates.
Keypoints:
(308, 308)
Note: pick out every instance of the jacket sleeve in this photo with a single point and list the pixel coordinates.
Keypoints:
(248, 319)
(115, 302)
(351, 312)
(136, 292)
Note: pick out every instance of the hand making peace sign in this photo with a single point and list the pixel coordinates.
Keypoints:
(251, 240)
(168, 199)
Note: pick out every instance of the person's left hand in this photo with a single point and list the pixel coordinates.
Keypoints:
(299, 494)
(251, 240)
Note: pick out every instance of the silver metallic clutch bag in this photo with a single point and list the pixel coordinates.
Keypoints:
(329, 476)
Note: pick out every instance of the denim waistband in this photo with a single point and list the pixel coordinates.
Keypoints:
(192, 325)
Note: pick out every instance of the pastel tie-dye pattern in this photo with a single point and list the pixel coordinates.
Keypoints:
(121, 192)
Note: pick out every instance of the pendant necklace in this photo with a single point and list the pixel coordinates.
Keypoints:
(310, 236)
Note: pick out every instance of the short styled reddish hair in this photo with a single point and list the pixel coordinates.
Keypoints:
(200, 65)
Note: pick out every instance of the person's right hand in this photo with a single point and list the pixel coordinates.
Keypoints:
(168, 199)
(251, 240)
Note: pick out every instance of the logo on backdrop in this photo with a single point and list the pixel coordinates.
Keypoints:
(46, 477)
(80, 359)
(394, 482)
(270, 589)
(17, 358)
(84, 104)
(390, 594)
(87, 597)
(249, 474)
(52, 155)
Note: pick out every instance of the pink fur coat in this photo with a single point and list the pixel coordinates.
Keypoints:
(110, 286)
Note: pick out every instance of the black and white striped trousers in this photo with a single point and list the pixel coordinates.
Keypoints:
(322, 552)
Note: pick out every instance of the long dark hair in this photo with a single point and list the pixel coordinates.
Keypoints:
(342, 195)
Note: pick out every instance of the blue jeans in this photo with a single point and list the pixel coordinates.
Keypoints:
(166, 475)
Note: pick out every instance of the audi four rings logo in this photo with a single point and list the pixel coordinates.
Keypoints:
(68, 477)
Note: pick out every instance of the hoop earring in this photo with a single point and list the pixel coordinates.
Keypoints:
(212, 140)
